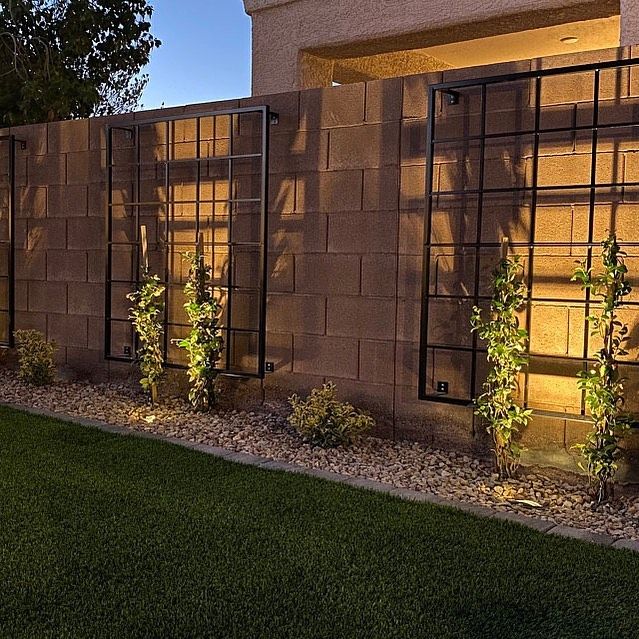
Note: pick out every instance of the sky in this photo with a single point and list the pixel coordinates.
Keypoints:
(205, 53)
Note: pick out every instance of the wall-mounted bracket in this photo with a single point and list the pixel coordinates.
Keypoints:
(452, 97)
(130, 132)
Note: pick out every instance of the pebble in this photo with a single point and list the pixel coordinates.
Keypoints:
(266, 432)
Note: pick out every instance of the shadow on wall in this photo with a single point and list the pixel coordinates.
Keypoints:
(557, 317)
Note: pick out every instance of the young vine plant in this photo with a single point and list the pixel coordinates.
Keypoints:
(146, 316)
(204, 342)
(506, 344)
(602, 383)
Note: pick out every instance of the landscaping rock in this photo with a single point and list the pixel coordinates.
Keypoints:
(410, 468)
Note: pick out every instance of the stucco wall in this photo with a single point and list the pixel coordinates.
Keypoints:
(346, 217)
(334, 29)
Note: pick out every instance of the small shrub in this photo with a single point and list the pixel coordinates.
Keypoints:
(146, 316)
(602, 383)
(326, 422)
(506, 344)
(204, 343)
(35, 357)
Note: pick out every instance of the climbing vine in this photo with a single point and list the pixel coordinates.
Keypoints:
(146, 316)
(602, 383)
(506, 346)
(204, 343)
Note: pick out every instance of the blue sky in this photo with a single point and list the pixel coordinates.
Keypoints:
(205, 53)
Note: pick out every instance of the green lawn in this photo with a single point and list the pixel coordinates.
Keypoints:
(110, 536)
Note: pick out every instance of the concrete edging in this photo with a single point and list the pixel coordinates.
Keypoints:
(357, 482)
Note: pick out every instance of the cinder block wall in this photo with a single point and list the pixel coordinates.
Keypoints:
(346, 216)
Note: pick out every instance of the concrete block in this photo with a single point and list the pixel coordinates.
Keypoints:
(86, 299)
(30, 265)
(26, 320)
(329, 191)
(35, 135)
(88, 364)
(96, 265)
(551, 276)
(408, 314)
(415, 94)
(44, 234)
(334, 356)
(31, 202)
(327, 274)
(297, 151)
(297, 233)
(384, 100)
(549, 329)
(363, 317)
(376, 361)
(66, 266)
(411, 232)
(381, 189)
(97, 200)
(44, 170)
(68, 136)
(95, 333)
(375, 399)
(286, 105)
(22, 295)
(379, 275)
(86, 167)
(67, 330)
(47, 297)
(409, 282)
(553, 386)
(279, 350)
(407, 364)
(368, 146)
(67, 201)
(282, 194)
(413, 141)
(281, 273)
(332, 107)
(412, 187)
(287, 313)
(86, 233)
(544, 433)
(345, 232)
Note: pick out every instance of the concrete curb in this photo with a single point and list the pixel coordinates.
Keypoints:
(545, 527)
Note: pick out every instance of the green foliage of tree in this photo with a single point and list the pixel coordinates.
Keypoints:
(146, 316)
(63, 59)
(602, 383)
(506, 346)
(204, 343)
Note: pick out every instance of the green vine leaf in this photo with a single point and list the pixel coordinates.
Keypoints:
(204, 344)
(146, 315)
(506, 344)
(602, 383)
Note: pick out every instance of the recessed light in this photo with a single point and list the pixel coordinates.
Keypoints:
(569, 40)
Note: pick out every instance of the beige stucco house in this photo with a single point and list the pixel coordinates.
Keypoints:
(300, 44)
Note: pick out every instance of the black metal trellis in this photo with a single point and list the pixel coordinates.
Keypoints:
(179, 178)
(483, 151)
(7, 234)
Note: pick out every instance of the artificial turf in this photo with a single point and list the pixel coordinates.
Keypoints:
(109, 536)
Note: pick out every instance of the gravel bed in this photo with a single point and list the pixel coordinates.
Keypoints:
(266, 433)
